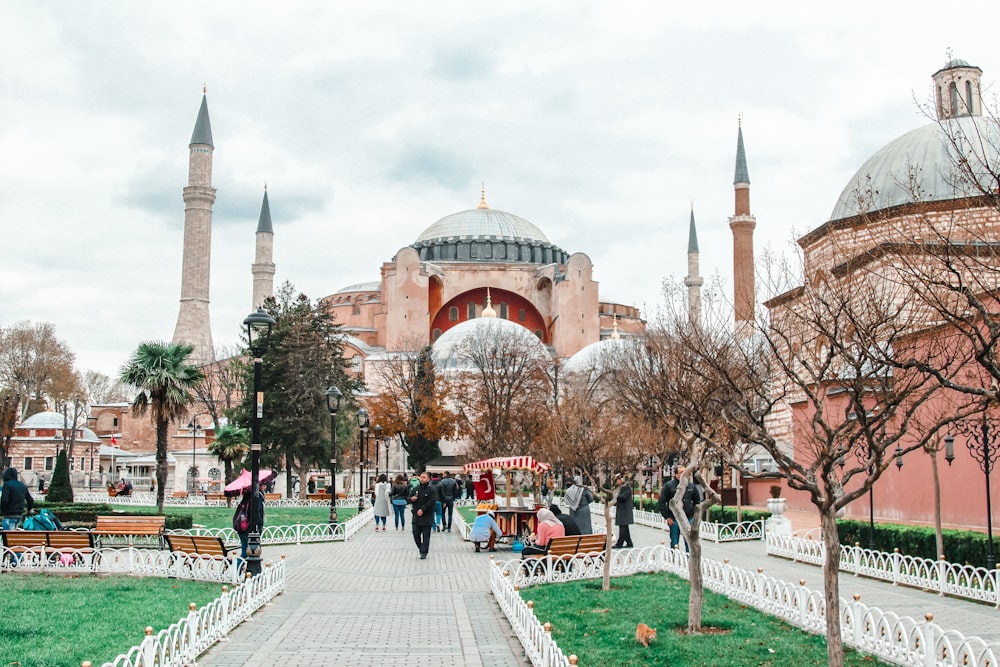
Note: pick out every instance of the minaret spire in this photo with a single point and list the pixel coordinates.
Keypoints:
(193, 322)
(263, 266)
(693, 281)
(742, 223)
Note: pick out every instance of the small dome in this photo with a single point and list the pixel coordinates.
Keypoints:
(482, 223)
(921, 160)
(593, 360)
(450, 348)
(55, 420)
(373, 286)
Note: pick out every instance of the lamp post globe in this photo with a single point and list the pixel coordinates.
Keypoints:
(333, 398)
(258, 327)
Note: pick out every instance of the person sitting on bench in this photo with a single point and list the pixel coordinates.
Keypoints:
(485, 528)
(548, 527)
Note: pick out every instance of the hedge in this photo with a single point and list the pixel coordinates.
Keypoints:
(960, 546)
(79, 515)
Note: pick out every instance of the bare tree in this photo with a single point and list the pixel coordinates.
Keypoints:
(222, 389)
(37, 364)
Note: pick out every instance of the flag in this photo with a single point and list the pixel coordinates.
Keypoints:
(484, 485)
(114, 443)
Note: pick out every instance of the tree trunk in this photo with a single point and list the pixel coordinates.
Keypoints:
(608, 501)
(697, 595)
(831, 587)
(739, 497)
(161, 462)
(938, 535)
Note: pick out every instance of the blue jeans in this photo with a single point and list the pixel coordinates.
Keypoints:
(437, 514)
(244, 538)
(380, 518)
(448, 511)
(9, 524)
(399, 515)
(675, 535)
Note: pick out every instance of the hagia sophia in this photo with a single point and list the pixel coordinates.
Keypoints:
(483, 261)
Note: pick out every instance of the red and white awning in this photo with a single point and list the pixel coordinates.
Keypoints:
(508, 463)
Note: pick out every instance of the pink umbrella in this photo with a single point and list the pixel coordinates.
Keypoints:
(241, 483)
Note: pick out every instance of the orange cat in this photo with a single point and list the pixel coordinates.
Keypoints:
(644, 634)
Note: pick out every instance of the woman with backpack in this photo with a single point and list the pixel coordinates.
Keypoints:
(398, 495)
(243, 523)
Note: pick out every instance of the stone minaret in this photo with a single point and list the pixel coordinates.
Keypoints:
(693, 281)
(263, 266)
(193, 325)
(742, 223)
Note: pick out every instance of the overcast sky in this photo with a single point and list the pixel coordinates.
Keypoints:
(598, 122)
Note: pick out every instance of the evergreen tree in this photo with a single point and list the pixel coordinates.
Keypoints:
(422, 444)
(60, 490)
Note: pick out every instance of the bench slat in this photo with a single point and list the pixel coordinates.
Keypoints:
(203, 545)
(130, 525)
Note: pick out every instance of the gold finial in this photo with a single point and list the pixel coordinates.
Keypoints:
(614, 325)
(488, 310)
(482, 197)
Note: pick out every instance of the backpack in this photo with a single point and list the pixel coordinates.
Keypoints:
(43, 520)
(241, 520)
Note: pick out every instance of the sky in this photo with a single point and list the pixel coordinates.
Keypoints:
(599, 122)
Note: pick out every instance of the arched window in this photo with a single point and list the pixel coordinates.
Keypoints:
(472, 310)
(357, 308)
(968, 95)
(435, 334)
(453, 314)
(538, 333)
(356, 363)
(521, 315)
(503, 310)
(953, 94)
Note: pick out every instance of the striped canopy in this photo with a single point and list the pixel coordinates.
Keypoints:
(508, 463)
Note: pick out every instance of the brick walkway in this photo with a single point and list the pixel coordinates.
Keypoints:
(372, 601)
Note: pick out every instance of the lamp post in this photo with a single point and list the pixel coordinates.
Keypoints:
(333, 397)
(259, 325)
(363, 425)
(378, 443)
(982, 437)
(194, 427)
(385, 441)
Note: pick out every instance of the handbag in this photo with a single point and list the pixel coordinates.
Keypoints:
(517, 547)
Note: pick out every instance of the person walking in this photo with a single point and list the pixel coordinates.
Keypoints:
(380, 501)
(667, 512)
(422, 499)
(397, 496)
(243, 521)
(578, 499)
(624, 516)
(14, 499)
(448, 488)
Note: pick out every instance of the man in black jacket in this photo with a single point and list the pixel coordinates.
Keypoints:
(422, 499)
(568, 522)
(448, 488)
(13, 499)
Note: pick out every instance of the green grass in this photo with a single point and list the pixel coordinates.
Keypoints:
(599, 627)
(60, 621)
(222, 517)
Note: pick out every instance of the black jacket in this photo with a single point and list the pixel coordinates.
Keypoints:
(570, 524)
(15, 496)
(666, 494)
(423, 498)
(448, 488)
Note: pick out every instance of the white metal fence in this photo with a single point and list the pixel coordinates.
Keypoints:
(901, 640)
(708, 530)
(144, 498)
(964, 581)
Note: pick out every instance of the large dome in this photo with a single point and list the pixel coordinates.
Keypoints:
(483, 223)
(921, 161)
(450, 351)
(54, 420)
(484, 234)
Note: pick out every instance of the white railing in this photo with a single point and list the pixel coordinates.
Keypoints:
(964, 581)
(901, 640)
(144, 498)
(708, 530)
(184, 641)
(290, 534)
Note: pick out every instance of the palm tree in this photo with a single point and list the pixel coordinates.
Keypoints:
(165, 382)
(231, 444)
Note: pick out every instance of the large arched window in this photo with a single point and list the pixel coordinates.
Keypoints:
(453, 314)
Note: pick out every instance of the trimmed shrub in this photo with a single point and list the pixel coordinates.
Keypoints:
(60, 489)
(960, 546)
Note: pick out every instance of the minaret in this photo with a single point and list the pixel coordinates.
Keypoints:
(693, 281)
(263, 266)
(742, 223)
(193, 326)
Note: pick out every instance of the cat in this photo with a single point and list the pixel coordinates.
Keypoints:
(644, 634)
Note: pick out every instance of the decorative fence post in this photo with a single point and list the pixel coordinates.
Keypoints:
(897, 566)
(192, 632)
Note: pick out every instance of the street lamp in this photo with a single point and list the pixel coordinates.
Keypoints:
(982, 437)
(363, 425)
(194, 427)
(259, 325)
(333, 397)
(378, 441)
(385, 441)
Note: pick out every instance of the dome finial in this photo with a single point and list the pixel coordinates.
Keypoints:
(204, 88)
(614, 327)
(482, 197)
(488, 310)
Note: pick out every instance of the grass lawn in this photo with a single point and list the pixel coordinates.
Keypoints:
(222, 517)
(60, 621)
(599, 627)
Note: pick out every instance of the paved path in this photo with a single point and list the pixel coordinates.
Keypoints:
(372, 601)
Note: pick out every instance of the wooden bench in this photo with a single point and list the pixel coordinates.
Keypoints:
(54, 542)
(272, 496)
(202, 545)
(324, 497)
(574, 545)
(131, 526)
(215, 496)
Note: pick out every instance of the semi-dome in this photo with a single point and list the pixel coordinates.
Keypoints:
(918, 166)
(450, 350)
(594, 359)
(55, 420)
(484, 234)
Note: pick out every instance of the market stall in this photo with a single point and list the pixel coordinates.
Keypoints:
(514, 520)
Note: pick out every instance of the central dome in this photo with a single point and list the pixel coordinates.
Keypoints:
(483, 223)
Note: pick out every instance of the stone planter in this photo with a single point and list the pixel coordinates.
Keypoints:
(777, 524)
